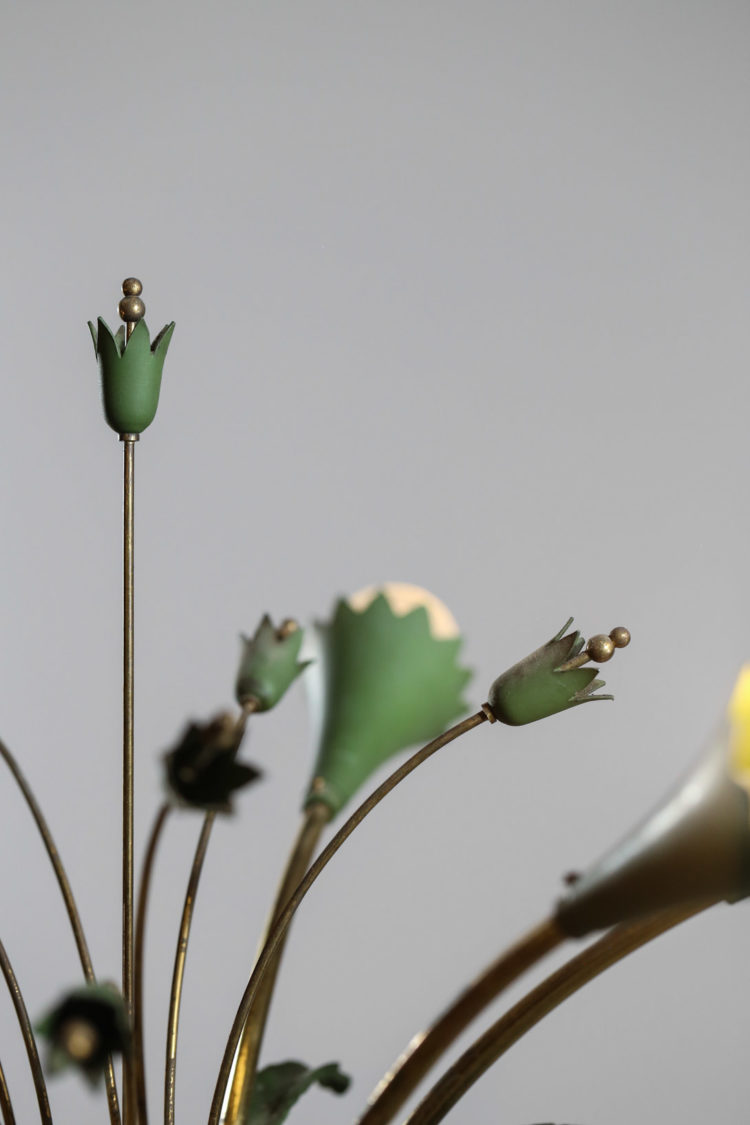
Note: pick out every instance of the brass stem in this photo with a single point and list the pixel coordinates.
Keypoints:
(129, 1100)
(179, 968)
(28, 1036)
(175, 997)
(281, 924)
(139, 1064)
(70, 905)
(574, 974)
(314, 821)
(6, 1106)
(427, 1047)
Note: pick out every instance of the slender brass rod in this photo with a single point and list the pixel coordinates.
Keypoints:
(282, 922)
(144, 886)
(127, 759)
(574, 974)
(427, 1047)
(28, 1035)
(179, 968)
(6, 1105)
(314, 821)
(70, 905)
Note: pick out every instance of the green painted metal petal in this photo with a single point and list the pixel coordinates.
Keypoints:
(382, 682)
(107, 348)
(130, 374)
(269, 665)
(161, 340)
(278, 1087)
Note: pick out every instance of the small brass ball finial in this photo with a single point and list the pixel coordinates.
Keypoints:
(621, 636)
(131, 309)
(600, 648)
(286, 628)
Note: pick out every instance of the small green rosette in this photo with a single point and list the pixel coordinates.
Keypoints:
(536, 687)
(381, 682)
(131, 373)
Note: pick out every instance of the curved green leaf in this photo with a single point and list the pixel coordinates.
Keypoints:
(278, 1087)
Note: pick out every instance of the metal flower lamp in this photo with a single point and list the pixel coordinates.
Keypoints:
(384, 675)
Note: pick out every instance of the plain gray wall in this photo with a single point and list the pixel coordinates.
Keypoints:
(461, 299)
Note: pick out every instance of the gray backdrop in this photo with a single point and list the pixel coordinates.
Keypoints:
(461, 299)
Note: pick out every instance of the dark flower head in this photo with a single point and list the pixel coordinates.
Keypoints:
(552, 678)
(87, 1026)
(202, 769)
(269, 663)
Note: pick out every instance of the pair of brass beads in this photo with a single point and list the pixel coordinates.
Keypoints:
(131, 308)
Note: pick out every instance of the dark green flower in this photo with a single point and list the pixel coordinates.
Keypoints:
(202, 769)
(131, 373)
(88, 1025)
(543, 684)
(269, 663)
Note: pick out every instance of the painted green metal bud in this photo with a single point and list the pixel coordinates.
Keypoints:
(88, 1025)
(131, 373)
(541, 684)
(202, 770)
(385, 678)
(694, 848)
(269, 664)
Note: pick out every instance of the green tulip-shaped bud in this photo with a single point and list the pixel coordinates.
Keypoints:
(130, 364)
(694, 848)
(87, 1026)
(552, 679)
(269, 664)
(385, 677)
(202, 770)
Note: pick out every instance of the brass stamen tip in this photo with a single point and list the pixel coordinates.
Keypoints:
(80, 1039)
(286, 628)
(621, 636)
(131, 287)
(600, 648)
